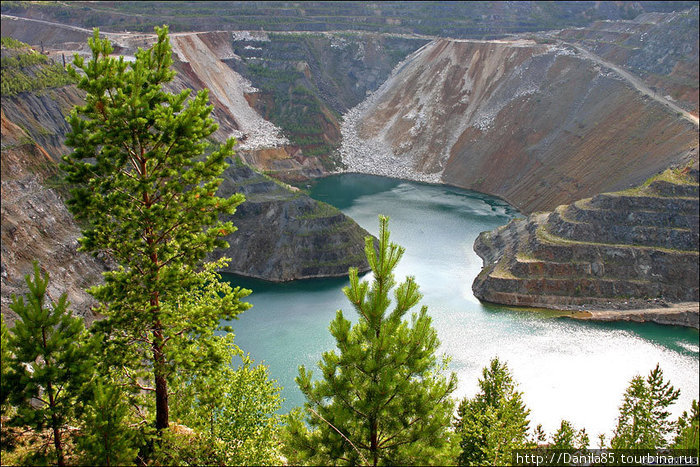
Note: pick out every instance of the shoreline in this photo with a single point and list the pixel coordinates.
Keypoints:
(685, 314)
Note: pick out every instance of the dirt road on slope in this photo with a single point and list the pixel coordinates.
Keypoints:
(636, 82)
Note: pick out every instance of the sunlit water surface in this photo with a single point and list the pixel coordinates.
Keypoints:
(566, 369)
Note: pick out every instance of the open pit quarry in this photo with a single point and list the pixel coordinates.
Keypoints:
(541, 121)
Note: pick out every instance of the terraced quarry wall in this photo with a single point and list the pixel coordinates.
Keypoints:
(631, 249)
(453, 19)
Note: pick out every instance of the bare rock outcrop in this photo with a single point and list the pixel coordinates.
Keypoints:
(661, 48)
(284, 235)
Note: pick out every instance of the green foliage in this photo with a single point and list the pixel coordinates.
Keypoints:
(643, 422)
(234, 409)
(320, 210)
(145, 184)
(106, 435)
(687, 432)
(179, 445)
(23, 60)
(12, 43)
(494, 422)
(384, 398)
(30, 72)
(5, 357)
(568, 438)
(296, 109)
(50, 364)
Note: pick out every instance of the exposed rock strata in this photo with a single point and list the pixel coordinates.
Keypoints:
(43, 116)
(661, 48)
(626, 250)
(200, 60)
(37, 226)
(228, 88)
(284, 235)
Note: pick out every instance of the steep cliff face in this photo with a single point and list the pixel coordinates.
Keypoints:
(284, 235)
(632, 249)
(287, 119)
(306, 81)
(43, 115)
(538, 125)
(37, 226)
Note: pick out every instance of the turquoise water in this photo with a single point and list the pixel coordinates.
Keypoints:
(566, 369)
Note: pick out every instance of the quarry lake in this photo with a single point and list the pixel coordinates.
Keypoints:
(566, 369)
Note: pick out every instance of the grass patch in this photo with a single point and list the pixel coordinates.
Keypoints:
(11, 43)
(677, 176)
(322, 210)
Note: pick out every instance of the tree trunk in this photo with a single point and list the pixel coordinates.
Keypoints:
(55, 426)
(162, 416)
(374, 441)
(58, 445)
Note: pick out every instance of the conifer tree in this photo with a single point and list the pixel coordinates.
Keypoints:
(568, 438)
(494, 422)
(4, 365)
(106, 437)
(383, 398)
(5, 439)
(643, 422)
(50, 364)
(688, 429)
(146, 187)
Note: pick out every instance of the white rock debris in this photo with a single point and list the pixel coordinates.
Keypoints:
(338, 42)
(229, 88)
(375, 156)
(250, 36)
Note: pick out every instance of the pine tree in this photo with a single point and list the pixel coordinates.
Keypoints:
(643, 422)
(50, 364)
(106, 436)
(146, 188)
(494, 422)
(4, 365)
(688, 429)
(383, 398)
(6, 441)
(568, 438)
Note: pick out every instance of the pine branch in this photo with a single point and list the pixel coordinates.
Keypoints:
(341, 434)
